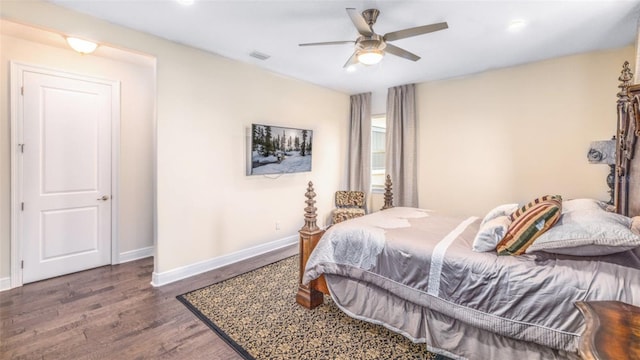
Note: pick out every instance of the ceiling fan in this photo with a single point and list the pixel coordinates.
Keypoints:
(371, 47)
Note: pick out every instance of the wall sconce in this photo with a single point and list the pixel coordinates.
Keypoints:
(604, 152)
(81, 46)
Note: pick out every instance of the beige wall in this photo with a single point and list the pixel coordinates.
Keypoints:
(517, 133)
(206, 206)
(137, 76)
(204, 197)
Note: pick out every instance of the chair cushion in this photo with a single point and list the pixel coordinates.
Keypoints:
(349, 199)
(340, 215)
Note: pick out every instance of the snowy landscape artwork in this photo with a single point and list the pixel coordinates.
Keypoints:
(280, 150)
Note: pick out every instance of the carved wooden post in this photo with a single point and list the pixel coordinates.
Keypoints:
(310, 234)
(388, 194)
(621, 134)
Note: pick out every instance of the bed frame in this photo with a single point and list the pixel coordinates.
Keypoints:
(626, 193)
(311, 295)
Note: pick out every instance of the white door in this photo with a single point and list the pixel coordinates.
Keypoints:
(66, 175)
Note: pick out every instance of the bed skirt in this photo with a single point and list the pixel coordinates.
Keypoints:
(442, 334)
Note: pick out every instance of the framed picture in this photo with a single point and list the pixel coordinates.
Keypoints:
(279, 150)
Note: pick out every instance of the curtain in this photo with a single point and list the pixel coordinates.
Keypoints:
(401, 152)
(360, 145)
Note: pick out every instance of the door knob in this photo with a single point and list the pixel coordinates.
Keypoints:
(104, 198)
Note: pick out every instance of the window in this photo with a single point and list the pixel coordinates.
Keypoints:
(378, 143)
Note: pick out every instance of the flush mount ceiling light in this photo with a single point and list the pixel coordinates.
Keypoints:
(370, 57)
(185, 2)
(81, 46)
(516, 25)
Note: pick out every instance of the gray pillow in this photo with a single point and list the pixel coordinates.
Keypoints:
(586, 229)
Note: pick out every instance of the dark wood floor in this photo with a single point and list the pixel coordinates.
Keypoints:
(112, 312)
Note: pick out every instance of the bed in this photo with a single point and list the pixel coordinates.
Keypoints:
(416, 272)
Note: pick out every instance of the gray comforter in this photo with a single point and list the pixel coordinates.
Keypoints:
(405, 267)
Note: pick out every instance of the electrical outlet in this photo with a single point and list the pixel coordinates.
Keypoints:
(277, 225)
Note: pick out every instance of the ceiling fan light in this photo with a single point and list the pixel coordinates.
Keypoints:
(81, 46)
(370, 57)
(516, 25)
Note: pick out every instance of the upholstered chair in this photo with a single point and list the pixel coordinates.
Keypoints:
(349, 205)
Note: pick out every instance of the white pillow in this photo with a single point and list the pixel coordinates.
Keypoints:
(490, 234)
(635, 225)
(587, 230)
(500, 210)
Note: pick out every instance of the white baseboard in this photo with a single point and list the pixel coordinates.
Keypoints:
(136, 254)
(5, 283)
(184, 272)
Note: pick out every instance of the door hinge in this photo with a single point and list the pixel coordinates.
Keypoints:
(21, 90)
(22, 264)
(22, 206)
(21, 146)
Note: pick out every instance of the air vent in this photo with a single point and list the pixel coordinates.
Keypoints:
(259, 55)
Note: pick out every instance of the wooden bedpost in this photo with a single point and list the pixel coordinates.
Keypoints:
(624, 147)
(388, 194)
(310, 234)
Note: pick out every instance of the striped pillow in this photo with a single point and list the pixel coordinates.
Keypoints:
(529, 222)
(516, 214)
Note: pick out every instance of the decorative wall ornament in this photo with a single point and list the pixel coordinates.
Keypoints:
(604, 152)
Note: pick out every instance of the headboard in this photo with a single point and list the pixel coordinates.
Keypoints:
(627, 185)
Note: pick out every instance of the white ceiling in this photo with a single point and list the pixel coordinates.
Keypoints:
(477, 38)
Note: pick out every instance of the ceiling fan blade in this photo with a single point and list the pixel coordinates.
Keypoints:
(352, 61)
(360, 23)
(419, 30)
(392, 49)
(328, 43)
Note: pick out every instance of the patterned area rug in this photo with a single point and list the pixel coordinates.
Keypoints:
(256, 313)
